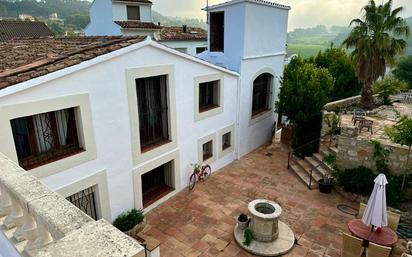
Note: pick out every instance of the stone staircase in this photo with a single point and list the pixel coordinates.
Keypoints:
(303, 167)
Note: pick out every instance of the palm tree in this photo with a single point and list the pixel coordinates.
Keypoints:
(376, 40)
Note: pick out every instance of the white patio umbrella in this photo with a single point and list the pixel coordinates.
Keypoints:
(375, 213)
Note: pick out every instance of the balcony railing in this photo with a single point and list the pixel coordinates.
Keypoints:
(39, 222)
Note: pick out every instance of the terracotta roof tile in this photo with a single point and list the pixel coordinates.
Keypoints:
(24, 59)
(137, 25)
(16, 29)
(177, 33)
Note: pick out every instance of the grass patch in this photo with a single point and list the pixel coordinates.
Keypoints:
(305, 50)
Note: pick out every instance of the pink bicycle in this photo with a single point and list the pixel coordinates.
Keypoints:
(200, 172)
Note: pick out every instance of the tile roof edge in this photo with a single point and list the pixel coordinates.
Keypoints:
(48, 60)
(68, 70)
(261, 2)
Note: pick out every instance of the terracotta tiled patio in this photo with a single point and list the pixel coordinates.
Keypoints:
(200, 223)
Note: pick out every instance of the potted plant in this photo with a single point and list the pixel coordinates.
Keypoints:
(242, 221)
(130, 222)
(248, 237)
(326, 184)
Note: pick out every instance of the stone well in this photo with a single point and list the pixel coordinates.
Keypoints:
(271, 237)
(264, 220)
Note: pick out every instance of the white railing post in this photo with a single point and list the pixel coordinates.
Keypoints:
(5, 203)
(29, 229)
(43, 238)
(15, 217)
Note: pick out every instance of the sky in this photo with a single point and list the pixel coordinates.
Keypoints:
(304, 13)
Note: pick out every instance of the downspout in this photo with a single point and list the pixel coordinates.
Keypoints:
(237, 155)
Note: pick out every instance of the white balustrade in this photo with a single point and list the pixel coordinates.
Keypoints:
(44, 223)
(5, 203)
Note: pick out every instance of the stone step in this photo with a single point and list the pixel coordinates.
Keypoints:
(317, 166)
(334, 150)
(324, 168)
(303, 175)
(325, 151)
(307, 167)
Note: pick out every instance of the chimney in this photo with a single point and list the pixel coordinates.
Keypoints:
(158, 23)
(184, 28)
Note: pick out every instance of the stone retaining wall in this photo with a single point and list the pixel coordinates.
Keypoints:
(355, 151)
(342, 104)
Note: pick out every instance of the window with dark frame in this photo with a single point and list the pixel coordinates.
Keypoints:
(85, 200)
(226, 140)
(208, 95)
(217, 31)
(261, 94)
(207, 150)
(153, 111)
(133, 13)
(200, 49)
(43, 138)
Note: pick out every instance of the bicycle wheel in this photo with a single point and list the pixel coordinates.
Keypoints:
(206, 172)
(192, 181)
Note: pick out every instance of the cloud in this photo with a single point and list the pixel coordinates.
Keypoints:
(304, 13)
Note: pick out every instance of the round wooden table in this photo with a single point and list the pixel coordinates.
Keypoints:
(385, 236)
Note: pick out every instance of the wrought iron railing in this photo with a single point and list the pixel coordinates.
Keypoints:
(291, 153)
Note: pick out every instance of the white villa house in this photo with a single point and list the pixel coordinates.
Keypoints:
(134, 18)
(113, 123)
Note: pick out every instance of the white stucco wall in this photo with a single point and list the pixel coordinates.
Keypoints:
(106, 85)
(257, 131)
(101, 19)
(255, 42)
(265, 30)
(190, 46)
(120, 12)
(233, 41)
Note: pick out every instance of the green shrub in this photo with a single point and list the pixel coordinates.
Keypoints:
(330, 159)
(394, 193)
(248, 236)
(358, 180)
(381, 156)
(127, 220)
(387, 87)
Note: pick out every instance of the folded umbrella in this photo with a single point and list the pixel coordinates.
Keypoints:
(375, 213)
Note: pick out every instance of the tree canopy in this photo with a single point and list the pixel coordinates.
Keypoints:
(404, 70)
(304, 90)
(303, 94)
(338, 63)
(377, 40)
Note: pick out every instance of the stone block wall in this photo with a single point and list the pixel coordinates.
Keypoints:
(355, 151)
(344, 103)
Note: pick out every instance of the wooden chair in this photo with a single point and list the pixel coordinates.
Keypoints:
(362, 208)
(375, 250)
(352, 246)
(366, 124)
(393, 220)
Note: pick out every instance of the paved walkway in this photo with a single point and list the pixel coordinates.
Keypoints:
(200, 223)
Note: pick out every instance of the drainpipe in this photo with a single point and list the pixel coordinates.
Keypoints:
(239, 85)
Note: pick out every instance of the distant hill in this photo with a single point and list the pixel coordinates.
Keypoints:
(74, 12)
(309, 41)
(177, 21)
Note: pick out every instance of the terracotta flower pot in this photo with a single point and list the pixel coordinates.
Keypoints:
(136, 229)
